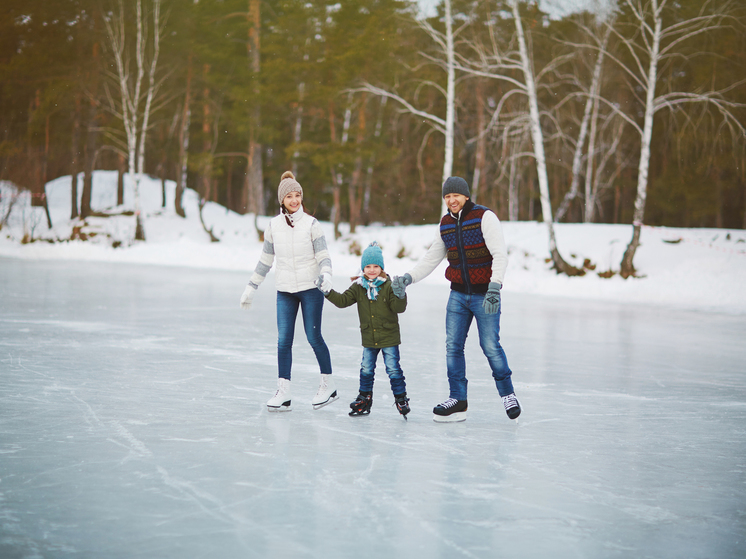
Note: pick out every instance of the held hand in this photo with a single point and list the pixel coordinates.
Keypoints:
(399, 285)
(324, 283)
(247, 297)
(491, 303)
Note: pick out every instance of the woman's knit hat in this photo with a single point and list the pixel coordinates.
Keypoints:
(372, 255)
(288, 184)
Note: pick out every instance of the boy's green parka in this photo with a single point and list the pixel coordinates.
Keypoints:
(379, 323)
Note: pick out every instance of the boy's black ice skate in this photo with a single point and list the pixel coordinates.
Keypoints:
(362, 404)
(402, 404)
(512, 406)
(449, 411)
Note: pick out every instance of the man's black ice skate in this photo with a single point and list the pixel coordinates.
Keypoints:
(512, 406)
(450, 411)
(362, 404)
(402, 404)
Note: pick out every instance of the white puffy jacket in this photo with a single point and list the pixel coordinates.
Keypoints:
(300, 250)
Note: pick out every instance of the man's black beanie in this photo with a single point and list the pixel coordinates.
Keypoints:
(456, 185)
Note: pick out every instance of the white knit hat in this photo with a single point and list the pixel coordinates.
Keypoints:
(288, 184)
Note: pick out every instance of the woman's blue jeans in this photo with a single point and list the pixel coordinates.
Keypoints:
(311, 302)
(461, 309)
(393, 370)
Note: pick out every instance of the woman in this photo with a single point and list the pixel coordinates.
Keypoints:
(298, 242)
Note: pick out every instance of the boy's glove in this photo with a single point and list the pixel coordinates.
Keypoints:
(491, 303)
(324, 283)
(247, 297)
(399, 285)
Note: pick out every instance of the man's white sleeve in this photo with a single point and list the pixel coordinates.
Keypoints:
(492, 231)
(434, 256)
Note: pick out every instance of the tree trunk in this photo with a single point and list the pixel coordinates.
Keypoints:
(450, 101)
(91, 141)
(480, 159)
(538, 140)
(254, 172)
(355, 186)
(121, 170)
(75, 159)
(181, 175)
(372, 163)
(298, 126)
(627, 267)
(591, 103)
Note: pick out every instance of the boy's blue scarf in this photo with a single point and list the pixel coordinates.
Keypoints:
(372, 287)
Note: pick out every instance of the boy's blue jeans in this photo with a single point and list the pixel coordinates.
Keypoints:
(461, 309)
(311, 302)
(393, 370)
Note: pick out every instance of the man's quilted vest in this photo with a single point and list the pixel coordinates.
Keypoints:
(469, 261)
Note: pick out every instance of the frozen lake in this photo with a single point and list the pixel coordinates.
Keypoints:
(133, 424)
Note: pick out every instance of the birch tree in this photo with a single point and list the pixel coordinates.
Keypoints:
(255, 173)
(136, 96)
(446, 60)
(504, 63)
(589, 121)
(658, 32)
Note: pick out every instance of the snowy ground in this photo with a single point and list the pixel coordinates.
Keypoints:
(132, 424)
(701, 269)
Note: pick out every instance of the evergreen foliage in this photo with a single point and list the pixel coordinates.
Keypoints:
(359, 158)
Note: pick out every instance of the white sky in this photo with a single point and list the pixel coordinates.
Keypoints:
(553, 7)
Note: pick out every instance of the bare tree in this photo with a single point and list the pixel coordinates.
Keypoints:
(135, 105)
(255, 174)
(445, 59)
(654, 42)
(503, 63)
(589, 120)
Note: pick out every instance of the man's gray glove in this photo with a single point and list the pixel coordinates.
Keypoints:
(399, 285)
(491, 303)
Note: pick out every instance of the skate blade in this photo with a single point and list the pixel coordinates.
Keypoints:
(358, 414)
(331, 399)
(282, 408)
(453, 418)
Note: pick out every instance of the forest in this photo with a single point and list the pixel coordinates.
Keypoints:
(634, 115)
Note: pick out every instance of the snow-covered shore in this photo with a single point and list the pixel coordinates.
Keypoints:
(696, 269)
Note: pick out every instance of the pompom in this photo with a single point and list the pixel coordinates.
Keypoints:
(287, 175)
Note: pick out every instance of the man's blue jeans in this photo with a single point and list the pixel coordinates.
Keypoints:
(393, 370)
(311, 302)
(461, 309)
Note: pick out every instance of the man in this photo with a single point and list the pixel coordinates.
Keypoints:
(471, 238)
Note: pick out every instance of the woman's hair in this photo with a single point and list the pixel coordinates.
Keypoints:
(381, 275)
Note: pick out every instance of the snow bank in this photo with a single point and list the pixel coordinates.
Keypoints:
(701, 269)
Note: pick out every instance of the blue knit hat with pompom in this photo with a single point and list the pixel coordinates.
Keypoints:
(372, 255)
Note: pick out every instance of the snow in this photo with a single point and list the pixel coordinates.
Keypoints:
(695, 269)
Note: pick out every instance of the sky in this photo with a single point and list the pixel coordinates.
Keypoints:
(556, 8)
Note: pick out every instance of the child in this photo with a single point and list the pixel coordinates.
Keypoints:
(377, 307)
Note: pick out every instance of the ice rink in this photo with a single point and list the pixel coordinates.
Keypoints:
(133, 425)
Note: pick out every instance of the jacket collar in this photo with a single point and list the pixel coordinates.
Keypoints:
(294, 217)
(465, 210)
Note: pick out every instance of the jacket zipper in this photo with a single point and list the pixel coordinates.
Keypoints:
(462, 253)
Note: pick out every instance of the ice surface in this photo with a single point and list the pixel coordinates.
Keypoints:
(133, 424)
